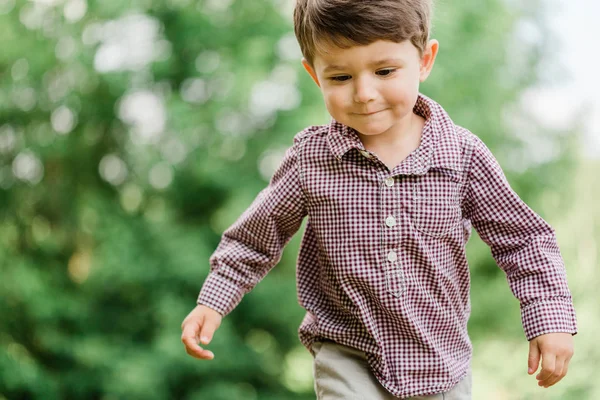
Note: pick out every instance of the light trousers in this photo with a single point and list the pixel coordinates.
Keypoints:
(342, 373)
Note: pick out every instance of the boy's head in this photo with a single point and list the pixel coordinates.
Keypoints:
(347, 23)
(367, 57)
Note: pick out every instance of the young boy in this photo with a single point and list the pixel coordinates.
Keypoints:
(391, 188)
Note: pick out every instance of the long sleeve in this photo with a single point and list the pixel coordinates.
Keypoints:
(523, 245)
(253, 245)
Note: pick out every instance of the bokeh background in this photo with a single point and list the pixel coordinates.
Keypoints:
(132, 133)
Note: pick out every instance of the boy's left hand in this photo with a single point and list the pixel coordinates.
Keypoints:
(556, 350)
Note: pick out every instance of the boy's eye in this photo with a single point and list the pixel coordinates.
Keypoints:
(381, 72)
(385, 72)
(340, 78)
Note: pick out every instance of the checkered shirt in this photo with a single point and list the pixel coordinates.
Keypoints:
(382, 264)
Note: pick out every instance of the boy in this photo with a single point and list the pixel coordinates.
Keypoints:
(391, 188)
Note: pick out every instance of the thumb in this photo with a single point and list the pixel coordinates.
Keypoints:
(534, 357)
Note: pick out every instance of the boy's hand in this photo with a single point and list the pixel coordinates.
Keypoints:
(556, 350)
(199, 326)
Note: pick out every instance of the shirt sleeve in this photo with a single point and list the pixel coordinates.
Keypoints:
(253, 245)
(523, 245)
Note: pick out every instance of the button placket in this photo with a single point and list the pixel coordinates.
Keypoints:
(390, 234)
(394, 282)
(390, 221)
(392, 256)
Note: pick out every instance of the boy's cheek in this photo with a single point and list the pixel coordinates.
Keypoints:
(335, 108)
(329, 101)
(331, 111)
(334, 99)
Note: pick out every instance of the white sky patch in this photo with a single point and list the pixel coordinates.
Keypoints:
(575, 25)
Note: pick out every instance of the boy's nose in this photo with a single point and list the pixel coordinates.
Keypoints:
(364, 91)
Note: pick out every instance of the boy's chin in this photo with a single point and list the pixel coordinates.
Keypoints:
(367, 130)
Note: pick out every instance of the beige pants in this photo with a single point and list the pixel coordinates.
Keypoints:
(342, 373)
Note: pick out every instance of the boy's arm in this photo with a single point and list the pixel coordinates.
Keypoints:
(523, 245)
(254, 243)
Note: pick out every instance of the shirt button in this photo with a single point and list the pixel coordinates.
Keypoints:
(389, 181)
(365, 153)
(392, 256)
(390, 221)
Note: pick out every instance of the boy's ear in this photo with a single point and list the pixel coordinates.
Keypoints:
(310, 71)
(428, 59)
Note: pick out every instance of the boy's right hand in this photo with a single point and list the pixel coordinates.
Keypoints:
(199, 326)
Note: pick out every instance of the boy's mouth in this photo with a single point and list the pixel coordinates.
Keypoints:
(370, 113)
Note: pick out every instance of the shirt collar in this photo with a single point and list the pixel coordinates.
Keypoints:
(439, 146)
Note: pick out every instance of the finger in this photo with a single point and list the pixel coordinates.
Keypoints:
(190, 329)
(566, 367)
(548, 365)
(188, 337)
(556, 376)
(208, 330)
(201, 354)
(533, 360)
(194, 350)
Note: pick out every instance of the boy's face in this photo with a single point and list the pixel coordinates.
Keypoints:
(372, 88)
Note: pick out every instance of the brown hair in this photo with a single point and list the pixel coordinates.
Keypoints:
(347, 23)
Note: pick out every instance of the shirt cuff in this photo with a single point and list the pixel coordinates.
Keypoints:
(220, 294)
(549, 316)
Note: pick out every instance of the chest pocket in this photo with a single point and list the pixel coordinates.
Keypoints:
(435, 208)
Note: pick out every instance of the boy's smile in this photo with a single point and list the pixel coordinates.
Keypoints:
(373, 88)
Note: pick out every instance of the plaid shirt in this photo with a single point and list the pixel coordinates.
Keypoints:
(382, 264)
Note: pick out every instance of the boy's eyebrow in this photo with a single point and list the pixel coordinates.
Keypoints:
(373, 64)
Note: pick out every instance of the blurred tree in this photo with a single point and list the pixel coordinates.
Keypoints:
(133, 133)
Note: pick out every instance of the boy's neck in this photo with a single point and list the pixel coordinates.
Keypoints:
(393, 147)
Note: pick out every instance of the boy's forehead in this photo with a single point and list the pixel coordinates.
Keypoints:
(330, 56)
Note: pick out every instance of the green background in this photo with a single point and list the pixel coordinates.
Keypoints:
(132, 133)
